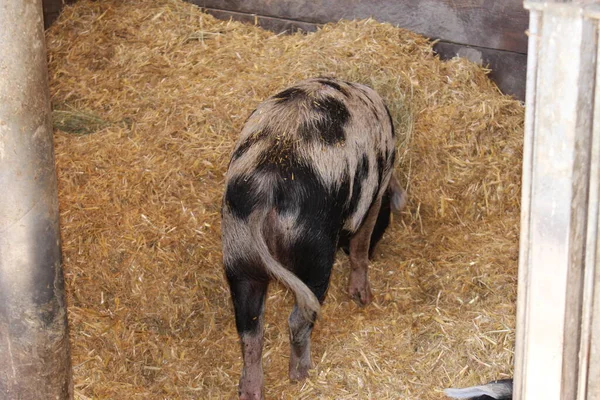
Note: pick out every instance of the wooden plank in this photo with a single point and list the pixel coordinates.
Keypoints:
(52, 10)
(484, 23)
(589, 379)
(551, 308)
(535, 23)
(509, 69)
(52, 6)
(49, 18)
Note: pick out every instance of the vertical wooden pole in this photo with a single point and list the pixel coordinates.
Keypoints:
(34, 344)
(532, 65)
(589, 374)
(559, 207)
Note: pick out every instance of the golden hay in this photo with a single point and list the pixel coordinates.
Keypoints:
(149, 308)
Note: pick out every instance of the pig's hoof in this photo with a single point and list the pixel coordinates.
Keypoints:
(359, 289)
(299, 373)
(250, 390)
(300, 364)
(251, 395)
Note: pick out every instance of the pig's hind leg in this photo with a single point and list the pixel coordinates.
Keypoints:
(359, 287)
(312, 260)
(248, 295)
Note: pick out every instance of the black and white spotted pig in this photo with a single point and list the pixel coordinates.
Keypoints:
(311, 167)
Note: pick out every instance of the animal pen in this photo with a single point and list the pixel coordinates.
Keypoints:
(147, 101)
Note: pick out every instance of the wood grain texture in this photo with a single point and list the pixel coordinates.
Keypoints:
(555, 310)
(589, 379)
(52, 10)
(484, 23)
(526, 191)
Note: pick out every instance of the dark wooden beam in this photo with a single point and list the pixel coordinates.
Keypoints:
(52, 10)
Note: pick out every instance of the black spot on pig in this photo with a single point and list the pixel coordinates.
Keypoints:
(242, 148)
(383, 221)
(362, 171)
(387, 110)
(328, 126)
(248, 281)
(279, 159)
(335, 85)
(298, 190)
(289, 94)
(381, 164)
(298, 182)
(250, 141)
(241, 196)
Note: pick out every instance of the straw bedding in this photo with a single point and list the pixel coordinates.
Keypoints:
(165, 89)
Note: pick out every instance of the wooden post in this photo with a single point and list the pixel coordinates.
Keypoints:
(558, 351)
(34, 344)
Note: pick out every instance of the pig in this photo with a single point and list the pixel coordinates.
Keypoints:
(309, 173)
(394, 199)
(495, 390)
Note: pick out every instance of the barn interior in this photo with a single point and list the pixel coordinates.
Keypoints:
(148, 100)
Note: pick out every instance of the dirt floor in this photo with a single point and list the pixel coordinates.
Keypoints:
(150, 97)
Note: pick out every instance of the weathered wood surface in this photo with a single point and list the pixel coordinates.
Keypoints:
(52, 10)
(555, 358)
(492, 24)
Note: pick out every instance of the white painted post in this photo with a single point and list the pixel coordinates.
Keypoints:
(558, 332)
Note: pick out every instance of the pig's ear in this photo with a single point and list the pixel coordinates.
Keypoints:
(398, 196)
(500, 390)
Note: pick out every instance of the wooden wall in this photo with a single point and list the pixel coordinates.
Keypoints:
(52, 10)
(491, 32)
